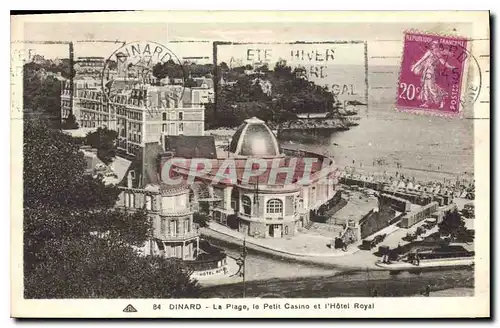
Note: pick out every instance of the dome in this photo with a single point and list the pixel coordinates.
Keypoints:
(254, 138)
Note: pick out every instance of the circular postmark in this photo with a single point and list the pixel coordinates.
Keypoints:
(144, 74)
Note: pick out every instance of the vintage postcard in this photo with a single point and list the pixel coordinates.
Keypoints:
(250, 165)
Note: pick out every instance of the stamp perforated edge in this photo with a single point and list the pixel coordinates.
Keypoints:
(433, 112)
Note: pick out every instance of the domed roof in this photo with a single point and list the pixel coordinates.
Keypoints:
(254, 138)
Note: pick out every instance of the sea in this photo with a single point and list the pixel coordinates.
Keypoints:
(412, 140)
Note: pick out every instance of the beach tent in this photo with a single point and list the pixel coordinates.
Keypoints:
(401, 185)
(410, 185)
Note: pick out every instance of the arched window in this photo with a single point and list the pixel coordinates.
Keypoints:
(246, 202)
(274, 206)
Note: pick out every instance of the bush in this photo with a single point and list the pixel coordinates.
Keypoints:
(201, 219)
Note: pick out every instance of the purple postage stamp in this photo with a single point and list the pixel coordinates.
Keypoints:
(432, 73)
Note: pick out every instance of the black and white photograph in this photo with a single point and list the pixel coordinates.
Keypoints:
(208, 166)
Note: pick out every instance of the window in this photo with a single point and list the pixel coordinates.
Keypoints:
(132, 200)
(163, 127)
(186, 225)
(132, 174)
(163, 225)
(172, 228)
(181, 127)
(247, 205)
(274, 206)
(164, 116)
(148, 202)
(181, 116)
(129, 200)
(286, 230)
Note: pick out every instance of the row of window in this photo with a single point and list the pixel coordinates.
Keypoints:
(89, 95)
(134, 137)
(180, 116)
(130, 201)
(175, 250)
(180, 128)
(132, 149)
(273, 206)
(97, 106)
(173, 227)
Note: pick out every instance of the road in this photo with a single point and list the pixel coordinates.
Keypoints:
(271, 276)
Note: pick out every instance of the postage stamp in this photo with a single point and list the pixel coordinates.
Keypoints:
(218, 163)
(432, 71)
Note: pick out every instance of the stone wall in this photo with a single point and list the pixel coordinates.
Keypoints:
(411, 218)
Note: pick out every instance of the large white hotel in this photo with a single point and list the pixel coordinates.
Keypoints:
(140, 112)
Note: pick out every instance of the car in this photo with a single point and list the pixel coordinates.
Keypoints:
(410, 236)
(379, 238)
(367, 244)
(468, 210)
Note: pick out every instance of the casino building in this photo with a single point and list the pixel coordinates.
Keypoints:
(264, 206)
(257, 206)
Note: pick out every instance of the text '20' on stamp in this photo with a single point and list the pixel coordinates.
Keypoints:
(433, 69)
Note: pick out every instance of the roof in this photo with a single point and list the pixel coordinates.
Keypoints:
(208, 82)
(191, 146)
(120, 166)
(301, 168)
(254, 138)
(168, 189)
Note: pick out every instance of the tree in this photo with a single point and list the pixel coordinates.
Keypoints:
(201, 219)
(190, 83)
(169, 69)
(159, 72)
(70, 123)
(42, 93)
(289, 95)
(104, 140)
(223, 66)
(452, 225)
(76, 244)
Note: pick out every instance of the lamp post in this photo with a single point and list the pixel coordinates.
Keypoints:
(241, 261)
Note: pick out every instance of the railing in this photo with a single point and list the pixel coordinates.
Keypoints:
(178, 237)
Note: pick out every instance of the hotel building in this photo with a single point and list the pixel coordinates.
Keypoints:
(139, 112)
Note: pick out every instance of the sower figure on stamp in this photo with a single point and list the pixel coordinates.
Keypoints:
(427, 67)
